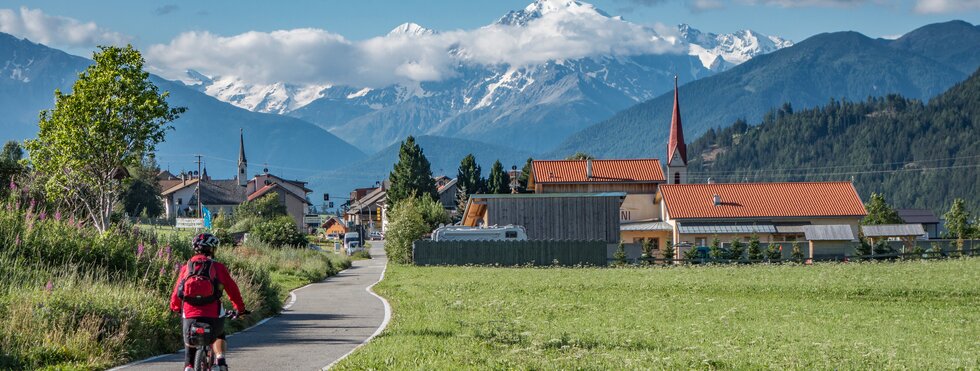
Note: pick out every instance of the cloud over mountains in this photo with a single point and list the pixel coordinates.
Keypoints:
(47, 29)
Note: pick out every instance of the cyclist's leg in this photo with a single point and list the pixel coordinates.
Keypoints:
(220, 345)
(189, 351)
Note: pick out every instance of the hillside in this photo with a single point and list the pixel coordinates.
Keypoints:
(444, 154)
(209, 127)
(842, 65)
(918, 155)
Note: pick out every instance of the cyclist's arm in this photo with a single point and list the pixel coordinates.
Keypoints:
(174, 300)
(231, 288)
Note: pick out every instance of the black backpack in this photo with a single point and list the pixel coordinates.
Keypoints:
(200, 286)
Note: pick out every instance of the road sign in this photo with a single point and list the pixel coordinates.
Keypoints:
(190, 223)
(311, 219)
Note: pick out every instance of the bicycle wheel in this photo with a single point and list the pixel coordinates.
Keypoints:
(202, 360)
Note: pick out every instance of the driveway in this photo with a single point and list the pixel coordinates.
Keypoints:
(327, 321)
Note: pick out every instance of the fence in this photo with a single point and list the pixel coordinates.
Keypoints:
(509, 253)
(926, 255)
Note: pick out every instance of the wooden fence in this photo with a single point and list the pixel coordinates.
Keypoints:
(509, 253)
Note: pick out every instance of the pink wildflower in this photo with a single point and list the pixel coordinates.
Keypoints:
(42, 215)
(162, 270)
(17, 240)
(13, 186)
(33, 204)
(57, 215)
(49, 286)
(176, 267)
(139, 250)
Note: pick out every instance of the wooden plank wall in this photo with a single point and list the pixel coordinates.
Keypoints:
(560, 218)
(509, 253)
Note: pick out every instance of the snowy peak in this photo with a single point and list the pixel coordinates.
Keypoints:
(410, 29)
(542, 8)
(719, 52)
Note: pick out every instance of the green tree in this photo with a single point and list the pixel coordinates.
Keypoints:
(141, 197)
(469, 181)
(668, 251)
(406, 224)
(278, 232)
(580, 156)
(715, 251)
(412, 175)
(648, 252)
(497, 182)
(9, 164)
(736, 250)
(266, 207)
(522, 180)
(755, 250)
(958, 220)
(620, 254)
(879, 212)
(113, 117)
(774, 252)
(797, 252)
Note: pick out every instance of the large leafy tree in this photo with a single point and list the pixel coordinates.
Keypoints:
(412, 175)
(113, 117)
(9, 164)
(142, 193)
(497, 182)
(522, 180)
(879, 212)
(469, 180)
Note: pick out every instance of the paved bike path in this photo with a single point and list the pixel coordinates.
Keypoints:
(328, 320)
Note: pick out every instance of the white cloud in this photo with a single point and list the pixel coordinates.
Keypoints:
(318, 56)
(36, 26)
(945, 6)
(810, 3)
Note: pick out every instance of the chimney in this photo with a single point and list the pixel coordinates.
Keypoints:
(717, 199)
(588, 168)
(711, 180)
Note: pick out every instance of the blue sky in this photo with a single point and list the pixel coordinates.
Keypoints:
(151, 22)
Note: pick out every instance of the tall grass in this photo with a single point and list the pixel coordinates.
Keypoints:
(74, 298)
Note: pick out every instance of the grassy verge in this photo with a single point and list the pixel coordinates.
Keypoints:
(915, 315)
(72, 298)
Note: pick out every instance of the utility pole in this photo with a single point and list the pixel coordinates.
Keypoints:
(200, 205)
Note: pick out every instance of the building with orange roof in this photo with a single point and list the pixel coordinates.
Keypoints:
(775, 212)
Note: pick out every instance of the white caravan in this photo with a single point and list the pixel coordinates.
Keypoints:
(494, 233)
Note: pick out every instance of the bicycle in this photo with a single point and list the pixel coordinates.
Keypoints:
(201, 337)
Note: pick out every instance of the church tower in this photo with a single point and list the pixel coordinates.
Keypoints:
(242, 163)
(676, 149)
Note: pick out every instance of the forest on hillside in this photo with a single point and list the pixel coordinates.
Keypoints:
(919, 155)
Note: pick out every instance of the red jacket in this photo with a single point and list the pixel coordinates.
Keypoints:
(212, 310)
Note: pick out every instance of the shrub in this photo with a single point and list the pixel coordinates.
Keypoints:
(668, 251)
(691, 254)
(715, 251)
(361, 254)
(406, 223)
(648, 252)
(620, 254)
(736, 250)
(279, 232)
(863, 248)
(797, 252)
(755, 250)
(774, 252)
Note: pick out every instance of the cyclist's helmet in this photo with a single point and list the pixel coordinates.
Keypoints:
(205, 243)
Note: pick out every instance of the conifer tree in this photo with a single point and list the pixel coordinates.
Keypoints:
(468, 180)
(497, 181)
(879, 212)
(523, 178)
(412, 175)
(755, 250)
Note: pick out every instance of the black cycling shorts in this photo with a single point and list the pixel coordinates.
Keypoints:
(217, 326)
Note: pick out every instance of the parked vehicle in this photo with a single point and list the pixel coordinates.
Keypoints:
(494, 233)
(354, 247)
(373, 236)
(333, 236)
(351, 237)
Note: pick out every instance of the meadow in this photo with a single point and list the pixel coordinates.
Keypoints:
(893, 315)
(74, 299)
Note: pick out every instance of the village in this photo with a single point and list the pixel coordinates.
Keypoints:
(643, 206)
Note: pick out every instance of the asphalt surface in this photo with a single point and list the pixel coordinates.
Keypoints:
(328, 320)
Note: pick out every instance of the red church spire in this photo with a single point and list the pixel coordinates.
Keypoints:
(676, 142)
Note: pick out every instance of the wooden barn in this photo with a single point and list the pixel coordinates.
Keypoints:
(550, 216)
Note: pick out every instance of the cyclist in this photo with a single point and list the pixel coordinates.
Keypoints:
(203, 273)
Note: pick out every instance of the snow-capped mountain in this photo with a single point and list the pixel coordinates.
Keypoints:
(720, 52)
(531, 106)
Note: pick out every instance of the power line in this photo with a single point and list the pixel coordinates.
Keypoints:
(832, 166)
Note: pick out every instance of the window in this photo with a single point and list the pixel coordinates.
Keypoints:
(656, 243)
(510, 234)
(241, 171)
(701, 241)
(180, 201)
(677, 178)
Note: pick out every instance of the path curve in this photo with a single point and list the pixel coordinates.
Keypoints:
(327, 321)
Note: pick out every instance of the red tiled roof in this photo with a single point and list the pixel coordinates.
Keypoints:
(264, 190)
(603, 171)
(748, 200)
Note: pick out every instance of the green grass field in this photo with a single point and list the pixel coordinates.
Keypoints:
(912, 315)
